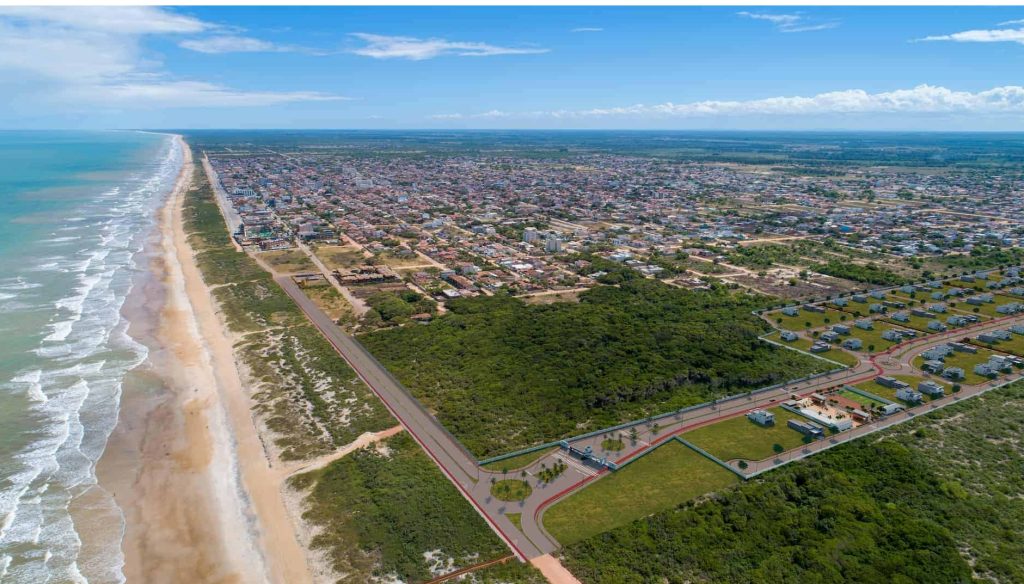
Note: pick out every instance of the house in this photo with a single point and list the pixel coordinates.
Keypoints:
(921, 313)
(878, 294)
(954, 373)
(900, 317)
(1017, 329)
(841, 302)
(907, 289)
(864, 323)
(963, 348)
(955, 292)
(988, 338)
(967, 278)
(931, 389)
(934, 325)
(1010, 308)
(892, 335)
(877, 308)
(938, 295)
(814, 308)
(789, 336)
(890, 382)
(1017, 291)
(859, 298)
(844, 329)
(829, 336)
(761, 417)
(956, 320)
(938, 353)
(975, 301)
(819, 347)
(807, 428)
(933, 366)
(938, 307)
(893, 304)
(791, 311)
(890, 409)
(985, 370)
(853, 344)
(908, 394)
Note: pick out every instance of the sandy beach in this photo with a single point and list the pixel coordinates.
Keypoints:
(185, 463)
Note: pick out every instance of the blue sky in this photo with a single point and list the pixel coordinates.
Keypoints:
(517, 67)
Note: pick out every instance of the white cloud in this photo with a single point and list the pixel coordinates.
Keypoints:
(72, 57)
(399, 47)
(1000, 35)
(587, 29)
(191, 94)
(1011, 22)
(923, 99)
(233, 44)
(796, 22)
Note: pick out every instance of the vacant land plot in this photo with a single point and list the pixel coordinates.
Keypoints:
(340, 257)
(742, 438)
(331, 302)
(389, 510)
(806, 319)
(402, 261)
(670, 475)
(288, 261)
(868, 403)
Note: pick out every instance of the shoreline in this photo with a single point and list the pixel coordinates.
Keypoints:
(185, 462)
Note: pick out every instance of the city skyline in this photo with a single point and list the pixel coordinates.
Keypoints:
(756, 68)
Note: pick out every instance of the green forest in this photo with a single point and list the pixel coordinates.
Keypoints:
(922, 504)
(502, 375)
(868, 273)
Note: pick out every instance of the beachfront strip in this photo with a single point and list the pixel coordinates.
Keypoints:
(891, 362)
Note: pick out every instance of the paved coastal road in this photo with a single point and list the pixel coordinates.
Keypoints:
(449, 455)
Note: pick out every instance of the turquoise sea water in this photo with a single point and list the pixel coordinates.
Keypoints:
(75, 208)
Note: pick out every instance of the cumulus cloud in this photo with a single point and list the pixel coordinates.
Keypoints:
(999, 35)
(923, 99)
(587, 29)
(80, 56)
(415, 49)
(796, 22)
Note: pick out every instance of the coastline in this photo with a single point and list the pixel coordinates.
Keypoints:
(185, 462)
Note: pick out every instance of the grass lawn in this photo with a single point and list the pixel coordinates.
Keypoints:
(1014, 346)
(511, 490)
(663, 479)
(987, 309)
(868, 403)
(835, 354)
(516, 519)
(800, 322)
(612, 444)
(288, 261)
(340, 257)
(518, 462)
(741, 438)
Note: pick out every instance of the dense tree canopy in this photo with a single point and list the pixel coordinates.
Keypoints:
(501, 374)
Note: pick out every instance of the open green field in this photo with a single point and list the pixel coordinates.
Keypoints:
(741, 438)
(518, 462)
(966, 361)
(670, 475)
(835, 353)
(805, 320)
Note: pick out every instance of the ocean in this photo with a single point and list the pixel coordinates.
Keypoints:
(75, 210)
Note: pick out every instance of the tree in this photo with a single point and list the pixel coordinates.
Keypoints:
(778, 448)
